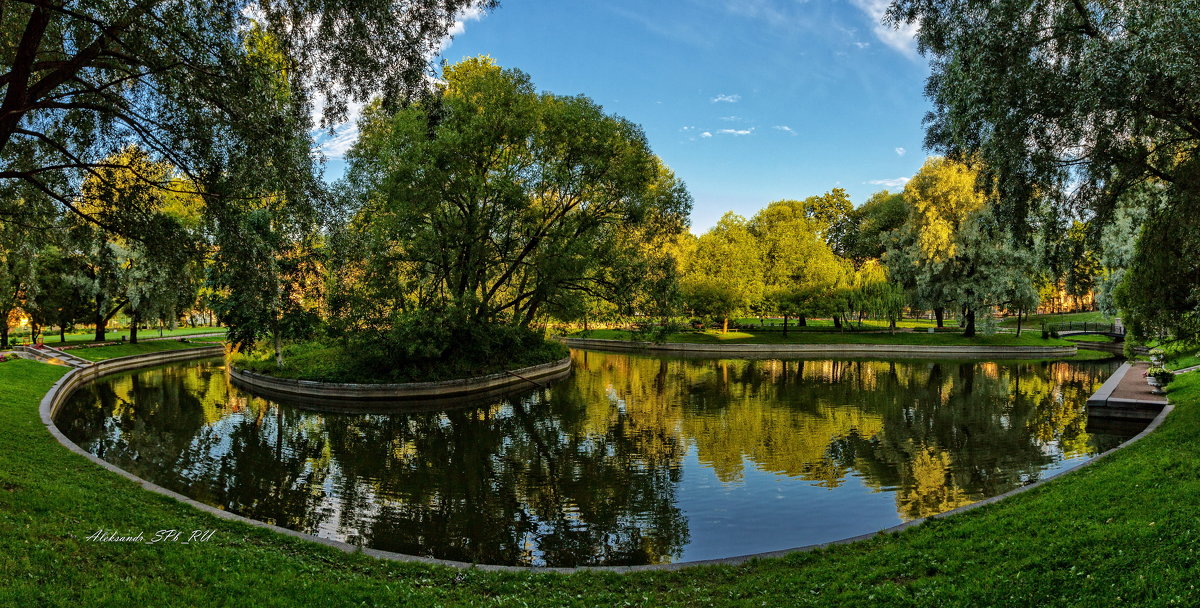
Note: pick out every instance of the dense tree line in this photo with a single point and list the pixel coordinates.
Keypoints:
(937, 246)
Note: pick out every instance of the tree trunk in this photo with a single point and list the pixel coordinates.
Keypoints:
(837, 322)
(725, 326)
(970, 316)
(785, 320)
(801, 321)
(4, 333)
(62, 334)
(133, 327)
(1019, 311)
(101, 326)
(278, 350)
(940, 315)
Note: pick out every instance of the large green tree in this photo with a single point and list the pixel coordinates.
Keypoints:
(800, 270)
(872, 226)
(492, 203)
(148, 279)
(1080, 103)
(194, 82)
(724, 274)
(953, 250)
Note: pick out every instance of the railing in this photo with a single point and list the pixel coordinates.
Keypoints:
(1100, 328)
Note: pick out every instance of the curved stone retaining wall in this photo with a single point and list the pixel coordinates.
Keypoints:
(852, 350)
(350, 394)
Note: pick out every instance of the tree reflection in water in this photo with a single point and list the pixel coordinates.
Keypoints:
(594, 470)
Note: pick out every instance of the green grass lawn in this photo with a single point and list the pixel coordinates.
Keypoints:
(51, 339)
(1089, 338)
(821, 324)
(100, 353)
(1077, 317)
(1126, 531)
(916, 338)
(1183, 361)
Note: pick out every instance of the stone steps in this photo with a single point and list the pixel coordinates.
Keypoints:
(53, 356)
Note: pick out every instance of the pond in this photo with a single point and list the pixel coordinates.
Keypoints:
(634, 459)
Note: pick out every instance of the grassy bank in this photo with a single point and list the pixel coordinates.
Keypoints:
(1035, 321)
(1123, 531)
(102, 353)
(747, 337)
(83, 337)
(1090, 338)
(827, 324)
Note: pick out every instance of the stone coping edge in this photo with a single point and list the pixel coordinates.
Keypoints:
(919, 350)
(400, 392)
(71, 380)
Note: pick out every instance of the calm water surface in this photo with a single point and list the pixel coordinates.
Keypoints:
(633, 460)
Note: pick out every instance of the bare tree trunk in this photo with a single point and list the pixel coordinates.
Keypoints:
(725, 326)
(970, 316)
(940, 315)
(1019, 311)
(785, 320)
(133, 328)
(278, 349)
(101, 320)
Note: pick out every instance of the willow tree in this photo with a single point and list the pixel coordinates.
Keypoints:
(954, 250)
(1082, 103)
(180, 79)
(148, 279)
(492, 204)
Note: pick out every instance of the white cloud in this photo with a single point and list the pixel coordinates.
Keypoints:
(900, 151)
(862, 45)
(471, 13)
(785, 129)
(723, 98)
(706, 134)
(688, 128)
(902, 39)
(731, 118)
(890, 183)
(735, 131)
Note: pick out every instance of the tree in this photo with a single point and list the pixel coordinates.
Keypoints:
(493, 204)
(725, 273)
(148, 279)
(954, 250)
(197, 83)
(1082, 103)
(872, 226)
(799, 267)
(19, 266)
(61, 299)
(940, 198)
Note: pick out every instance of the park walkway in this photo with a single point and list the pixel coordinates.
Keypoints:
(1127, 395)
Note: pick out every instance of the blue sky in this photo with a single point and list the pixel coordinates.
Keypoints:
(748, 101)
